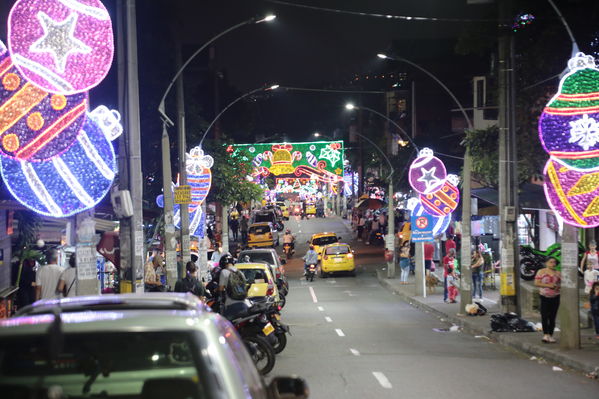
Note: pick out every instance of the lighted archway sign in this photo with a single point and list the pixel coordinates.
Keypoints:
(569, 132)
(56, 157)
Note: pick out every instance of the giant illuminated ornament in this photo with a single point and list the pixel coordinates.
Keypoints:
(438, 192)
(56, 156)
(199, 177)
(569, 132)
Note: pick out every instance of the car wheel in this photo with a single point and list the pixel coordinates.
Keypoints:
(353, 273)
(262, 354)
(323, 274)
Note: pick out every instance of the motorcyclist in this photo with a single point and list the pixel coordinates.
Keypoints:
(310, 258)
(288, 238)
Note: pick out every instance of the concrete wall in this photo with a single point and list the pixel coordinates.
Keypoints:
(546, 235)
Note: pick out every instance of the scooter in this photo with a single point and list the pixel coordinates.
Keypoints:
(311, 272)
(288, 250)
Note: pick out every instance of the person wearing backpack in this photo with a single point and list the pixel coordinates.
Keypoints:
(233, 288)
(190, 282)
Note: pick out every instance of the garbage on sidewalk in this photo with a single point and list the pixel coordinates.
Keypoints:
(476, 309)
(510, 322)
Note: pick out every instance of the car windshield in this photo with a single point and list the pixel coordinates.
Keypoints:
(337, 249)
(255, 276)
(264, 217)
(257, 257)
(96, 364)
(324, 240)
(259, 230)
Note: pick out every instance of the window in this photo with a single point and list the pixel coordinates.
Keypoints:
(259, 229)
(320, 241)
(94, 364)
(338, 249)
(254, 276)
(265, 257)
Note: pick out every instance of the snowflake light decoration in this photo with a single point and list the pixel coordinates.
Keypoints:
(584, 132)
(330, 155)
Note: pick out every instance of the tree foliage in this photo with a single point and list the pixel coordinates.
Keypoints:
(229, 176)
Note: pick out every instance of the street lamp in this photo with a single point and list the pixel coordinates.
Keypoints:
(169, 239)
(390, 241)
(466, 294)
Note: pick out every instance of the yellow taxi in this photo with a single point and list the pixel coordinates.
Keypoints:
(310, 209)
(284, 209)
(319, 240)
(262, 235)
(259, 276)
(337, 257)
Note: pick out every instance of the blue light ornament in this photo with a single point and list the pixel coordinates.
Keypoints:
(69, 183)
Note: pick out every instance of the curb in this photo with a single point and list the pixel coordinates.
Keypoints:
(505, 339)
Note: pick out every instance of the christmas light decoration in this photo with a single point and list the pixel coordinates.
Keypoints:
(69, 183)
(427, 172)
(440, 223)
(443, 201)
(34, 124)
(569, 132)
(322, 160)
(62, 46)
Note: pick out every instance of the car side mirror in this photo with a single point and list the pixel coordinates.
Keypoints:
(283, 262)
(288, 387)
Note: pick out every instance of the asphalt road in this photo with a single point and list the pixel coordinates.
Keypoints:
(353, 339)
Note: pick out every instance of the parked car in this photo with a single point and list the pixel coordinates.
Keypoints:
(263, 234)
(261, 280)
(73, 352)
(270, 256)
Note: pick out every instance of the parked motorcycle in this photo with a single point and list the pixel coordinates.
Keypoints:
(532, 259)
(288, 250)
(273, 314)
(311, 272)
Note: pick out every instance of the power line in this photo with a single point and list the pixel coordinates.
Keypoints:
(386, 16)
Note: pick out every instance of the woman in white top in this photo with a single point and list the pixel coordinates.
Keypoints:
(591, 256)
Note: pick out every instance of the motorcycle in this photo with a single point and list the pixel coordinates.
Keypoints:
(532, 260)
(288, 250)
(311, 272)
(259, 336)
(377, 239)
(273, 314)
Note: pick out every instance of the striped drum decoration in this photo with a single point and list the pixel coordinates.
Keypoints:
(67, 184)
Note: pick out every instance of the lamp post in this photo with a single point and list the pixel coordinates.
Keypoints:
(390, 240)
(224, 210)
(169, 239)
(466, 290)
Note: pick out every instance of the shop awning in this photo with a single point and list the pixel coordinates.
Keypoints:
(530, 196)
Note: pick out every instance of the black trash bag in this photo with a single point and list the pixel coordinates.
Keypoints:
(482, 310)
(510, 322)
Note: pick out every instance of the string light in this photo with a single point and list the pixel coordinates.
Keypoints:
(62, 46)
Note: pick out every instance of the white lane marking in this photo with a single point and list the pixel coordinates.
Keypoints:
(354, 352)
(380, 377)
(321, 309)
(339, 332)
(314, 299)
(328, 319)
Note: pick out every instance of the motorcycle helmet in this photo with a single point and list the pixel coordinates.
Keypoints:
(226, 260)
(287, 231)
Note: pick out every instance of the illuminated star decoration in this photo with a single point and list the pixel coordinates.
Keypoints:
(330, 155)
(428, 177)
(59, 39)
(196, 161)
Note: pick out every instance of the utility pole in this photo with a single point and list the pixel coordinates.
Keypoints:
(130, 176)
(508, 183)
(569, 308)
(465, 255)
(182, 151)
(170, 239)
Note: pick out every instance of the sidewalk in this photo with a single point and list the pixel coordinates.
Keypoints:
(585, 360)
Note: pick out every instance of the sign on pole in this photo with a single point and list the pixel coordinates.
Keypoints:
(183, 195)
(422, 228)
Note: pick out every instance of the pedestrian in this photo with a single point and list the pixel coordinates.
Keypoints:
(382, 222)
(361, 223)
(429, 252)
(404, 262)
(67, 284)
(26, 283)
(151, 279)
(233, 288)
(234, 225)
(449, 244)
(244, 227)
(590, 277)
(46, 278)
(216, 255)
(476, 265)
(452, 285)
(448, 262)
(591, 256)
(594, 300)
(549, 281)
(191, 283)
